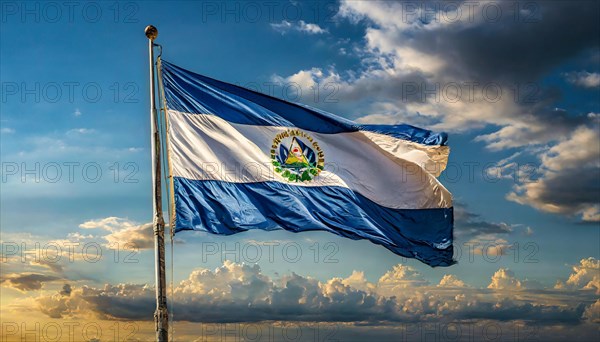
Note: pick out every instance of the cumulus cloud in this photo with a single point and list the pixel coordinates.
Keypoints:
(301, 26)
(230, 293)
(583, 79)
(124, 301)
(504, 279)
(592, 312)
(450, 280)
(242, 293)
(401, 277)
(137, 237)
(26, 270)
(585, 275)
(358, 281)
(237, 276)
(123, 232)
(109, 223)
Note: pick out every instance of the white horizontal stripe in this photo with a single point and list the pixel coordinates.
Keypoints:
(206, 147)
(432, 158)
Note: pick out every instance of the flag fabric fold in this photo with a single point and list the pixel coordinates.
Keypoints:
(243, 160)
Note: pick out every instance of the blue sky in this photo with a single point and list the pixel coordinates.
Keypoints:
(74, 92)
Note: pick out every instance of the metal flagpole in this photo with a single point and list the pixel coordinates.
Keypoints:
(161, 315)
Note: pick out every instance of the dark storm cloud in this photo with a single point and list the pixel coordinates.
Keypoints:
(523, 45)
(579, 187)
(514, 49)
(469, 225)
(516, 54)
(506, 310)
(26, 281)
(569, 177)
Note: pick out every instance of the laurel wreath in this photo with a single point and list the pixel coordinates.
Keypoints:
(308, 173)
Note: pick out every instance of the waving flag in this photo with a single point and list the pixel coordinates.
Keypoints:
(243, 160)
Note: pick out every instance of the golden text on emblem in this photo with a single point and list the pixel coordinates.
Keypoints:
(297, 156)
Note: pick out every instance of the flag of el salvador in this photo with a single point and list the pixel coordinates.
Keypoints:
(243, 160)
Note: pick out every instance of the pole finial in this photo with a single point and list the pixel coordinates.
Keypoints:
(151, 32)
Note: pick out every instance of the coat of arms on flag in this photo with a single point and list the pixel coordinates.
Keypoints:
(296, 156)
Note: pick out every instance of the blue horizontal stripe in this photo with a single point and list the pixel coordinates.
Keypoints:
(189, 92)
(220, 207)
(410, 133)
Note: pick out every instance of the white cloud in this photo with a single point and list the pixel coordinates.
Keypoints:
(282, 27)
(242, 293)
(123, 232)
(311, 28)
(110, 224)
(80, 131)
(304, 78)
(7, 130)
(301, 26)
(400, 277)
(77, 112)
(450, 280)
(504, 279)
(229, 281)
(585, 275)
(137, 237)
(583, 79)
(358, 281)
